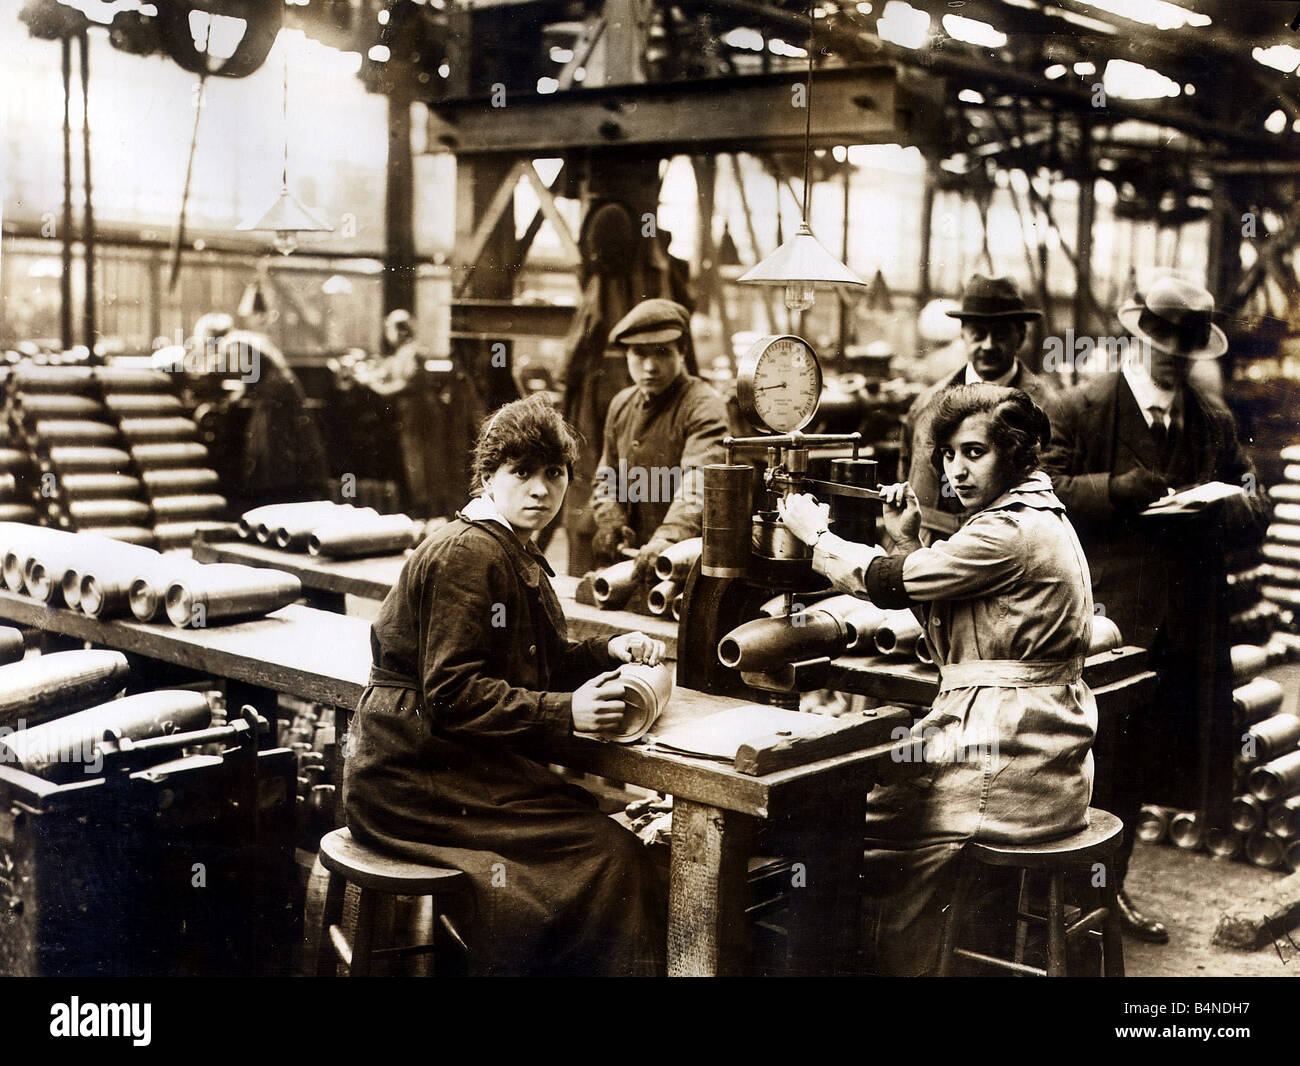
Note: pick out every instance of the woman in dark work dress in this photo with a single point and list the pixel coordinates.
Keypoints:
(474, 685)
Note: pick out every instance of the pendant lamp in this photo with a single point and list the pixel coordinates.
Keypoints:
(287, 216)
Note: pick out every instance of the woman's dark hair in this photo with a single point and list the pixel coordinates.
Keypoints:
(1019, 427)
(530, 433)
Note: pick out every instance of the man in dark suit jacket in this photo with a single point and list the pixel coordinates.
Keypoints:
(1120, 442)
(993, 318)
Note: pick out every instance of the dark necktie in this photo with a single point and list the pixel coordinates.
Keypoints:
(1159, 431)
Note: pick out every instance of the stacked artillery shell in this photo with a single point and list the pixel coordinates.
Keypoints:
(1277, 779)
(661, 596)
(227, 592)
(147, 592)
(615, 585)
(864, 616)
(1248, 813)
(175, 468)
(1257, 700)
(85, 475)
(34, 560)
(1225, 843)
(104, 581)
(261, 523)
(676, 561)
(365, 535)
(64, 749)
(1153, 824)
(12, 648)
(47, 686)
(1105, 635)
(1186, 830)
(767, 644)
(294, 532)
(898, 634)
(1281, 550)
(1283, 819)
(1270, 738)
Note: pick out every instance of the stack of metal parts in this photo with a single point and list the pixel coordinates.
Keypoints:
(1265, 816)
(1280, 574)
(114, 452)
(174, 467)
(105, 578)
(117, 809)
(330, 530)
(309, 734)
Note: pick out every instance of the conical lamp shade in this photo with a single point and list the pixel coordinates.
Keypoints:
(288, 215)
(802, 259)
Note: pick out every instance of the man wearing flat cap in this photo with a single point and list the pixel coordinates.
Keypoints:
(994, 319)
(658, 434)
(1120, 442)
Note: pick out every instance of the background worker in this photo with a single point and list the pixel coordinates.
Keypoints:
(659, 432)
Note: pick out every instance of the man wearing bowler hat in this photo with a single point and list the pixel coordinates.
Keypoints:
(994, 318)
(659, 431)
(1120, 442)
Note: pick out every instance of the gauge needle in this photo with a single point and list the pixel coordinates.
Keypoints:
(764, 388)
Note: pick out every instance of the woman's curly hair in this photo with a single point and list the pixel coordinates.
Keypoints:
(1019, 430)
(530, 433)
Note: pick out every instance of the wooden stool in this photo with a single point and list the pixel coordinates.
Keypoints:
(376, 875)
(1091, 846)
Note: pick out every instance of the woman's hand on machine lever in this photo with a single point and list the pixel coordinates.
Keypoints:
(637, 648)
(804, 516)
(902, 515)
(598, 705)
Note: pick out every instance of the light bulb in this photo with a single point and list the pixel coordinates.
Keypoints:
(285, 242)
(799, 295)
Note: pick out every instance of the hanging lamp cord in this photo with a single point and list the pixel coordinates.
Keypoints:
(807, 129)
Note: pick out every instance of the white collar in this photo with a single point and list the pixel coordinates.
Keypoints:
(484, 509)
(973, 378)
(1147, 393)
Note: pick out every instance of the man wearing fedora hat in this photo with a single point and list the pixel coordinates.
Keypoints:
(994, 318)
(1121, 441)
(659, 432)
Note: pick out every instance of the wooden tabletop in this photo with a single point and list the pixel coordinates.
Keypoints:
(371, 578)
(325, 657)
(314, 655)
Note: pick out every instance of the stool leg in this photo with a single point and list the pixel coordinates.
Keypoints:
(956, 918)
(326, 960)
(1112, 935)
(1022, 925)
(363, 941)
(1056, 964)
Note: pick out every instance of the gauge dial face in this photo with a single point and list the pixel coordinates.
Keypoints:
(780, 383)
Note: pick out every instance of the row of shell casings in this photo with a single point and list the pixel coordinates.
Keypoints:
(1281, 550)
(106, 578)
(615, 585)
(1250, 660)
(1261, 845)
(332, 530)
(54, 712)
(874, 630)
(29, 378)
(15, 488)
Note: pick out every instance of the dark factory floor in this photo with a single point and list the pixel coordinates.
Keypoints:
(1190, 891)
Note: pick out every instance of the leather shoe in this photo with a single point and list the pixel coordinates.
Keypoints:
(1136, 924)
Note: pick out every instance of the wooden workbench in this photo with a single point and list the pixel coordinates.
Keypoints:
(326, 581)
(322, 656)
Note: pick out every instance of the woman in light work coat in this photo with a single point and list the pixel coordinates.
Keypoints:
(1005, 752)
(473, 688)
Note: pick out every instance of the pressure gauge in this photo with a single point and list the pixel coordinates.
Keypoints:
(779, 383)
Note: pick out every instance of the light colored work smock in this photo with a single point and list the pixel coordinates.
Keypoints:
(1007, 604)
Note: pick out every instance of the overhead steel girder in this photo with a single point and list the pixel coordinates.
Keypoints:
(850, 105)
